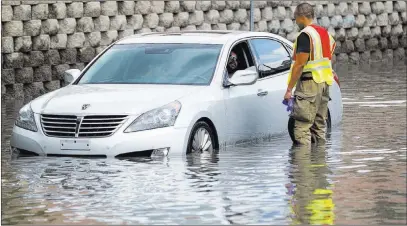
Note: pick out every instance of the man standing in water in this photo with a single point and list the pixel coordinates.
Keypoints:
(311, 74)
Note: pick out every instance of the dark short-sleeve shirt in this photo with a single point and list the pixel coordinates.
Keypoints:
(303, 44)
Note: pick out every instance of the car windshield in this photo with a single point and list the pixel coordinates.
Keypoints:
(178, 64)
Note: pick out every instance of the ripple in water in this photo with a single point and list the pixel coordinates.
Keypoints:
(359, 177)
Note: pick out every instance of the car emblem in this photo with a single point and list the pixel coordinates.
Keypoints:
(85, 106)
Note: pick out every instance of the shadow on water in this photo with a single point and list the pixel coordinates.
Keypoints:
(359, 177)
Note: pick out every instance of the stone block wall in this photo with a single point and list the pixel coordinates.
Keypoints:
(42, 39)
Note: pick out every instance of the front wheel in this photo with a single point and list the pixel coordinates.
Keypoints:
(202, 139)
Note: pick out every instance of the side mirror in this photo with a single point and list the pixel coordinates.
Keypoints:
(71, 75)
(244, 77)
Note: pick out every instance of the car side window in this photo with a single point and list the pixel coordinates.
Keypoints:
(272, 56)
(240, 58)
(290, 49)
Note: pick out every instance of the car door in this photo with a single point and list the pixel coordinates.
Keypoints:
(242, 102)
(273, 61)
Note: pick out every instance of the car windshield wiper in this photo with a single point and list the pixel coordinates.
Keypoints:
(287, 62)
(283, 65)
(271, 68)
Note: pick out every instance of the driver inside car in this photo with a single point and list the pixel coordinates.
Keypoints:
(232, 64)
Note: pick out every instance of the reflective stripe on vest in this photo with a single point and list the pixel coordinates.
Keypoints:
(322, 46)
(333, 44)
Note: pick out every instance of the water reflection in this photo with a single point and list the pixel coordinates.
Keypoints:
(311, 191)
(359, 177)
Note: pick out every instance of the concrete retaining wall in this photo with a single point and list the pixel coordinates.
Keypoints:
(41, 39)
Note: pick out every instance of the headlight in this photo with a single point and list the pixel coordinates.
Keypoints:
(26, 119)
(158, 118)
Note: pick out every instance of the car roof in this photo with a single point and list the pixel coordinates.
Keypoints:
(201, 37)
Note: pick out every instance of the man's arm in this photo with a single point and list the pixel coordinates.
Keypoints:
(302, 55)
(298, 66)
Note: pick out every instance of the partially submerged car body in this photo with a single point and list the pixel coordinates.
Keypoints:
(231, 110)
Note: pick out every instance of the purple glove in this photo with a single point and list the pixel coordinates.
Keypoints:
(289, 103)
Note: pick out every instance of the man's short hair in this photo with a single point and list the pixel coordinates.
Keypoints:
(304, 9)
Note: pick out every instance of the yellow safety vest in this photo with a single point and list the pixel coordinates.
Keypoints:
(318, 65)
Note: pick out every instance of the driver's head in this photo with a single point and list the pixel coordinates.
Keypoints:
(232, 62)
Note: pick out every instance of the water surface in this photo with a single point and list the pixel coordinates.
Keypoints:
(358, 178)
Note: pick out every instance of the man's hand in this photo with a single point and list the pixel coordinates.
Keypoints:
(287, 95)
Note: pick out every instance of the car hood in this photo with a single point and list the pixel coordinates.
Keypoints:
(109, 99)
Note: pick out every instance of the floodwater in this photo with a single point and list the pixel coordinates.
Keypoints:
(358, 178)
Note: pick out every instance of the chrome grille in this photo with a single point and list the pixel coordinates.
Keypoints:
(100, 125)
(86, 126)
(59, 125)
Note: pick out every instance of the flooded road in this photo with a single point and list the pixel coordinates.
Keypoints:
(358, 178)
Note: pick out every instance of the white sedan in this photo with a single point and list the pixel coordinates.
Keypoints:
(166, 94)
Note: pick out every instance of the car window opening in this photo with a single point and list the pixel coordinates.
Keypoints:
(244, 58)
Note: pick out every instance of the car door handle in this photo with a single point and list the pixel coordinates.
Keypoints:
(262, 93)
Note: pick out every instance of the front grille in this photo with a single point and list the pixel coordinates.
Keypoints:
(86, 126)
(100, 126)
(59, 125)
